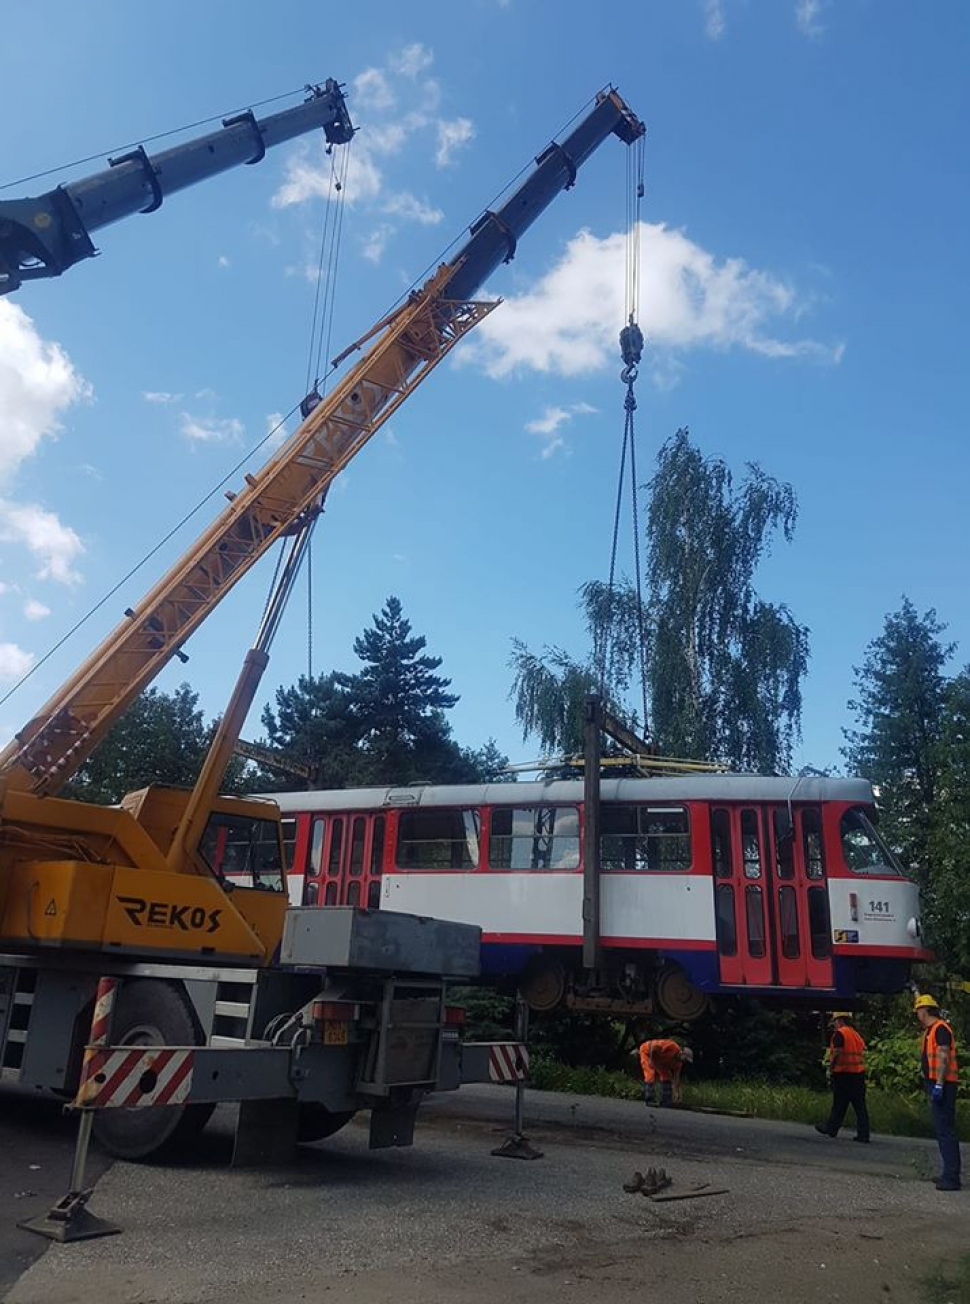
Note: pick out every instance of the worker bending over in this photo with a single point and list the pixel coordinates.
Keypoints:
(847, 1074)
(938, 1061)
(662, 1062)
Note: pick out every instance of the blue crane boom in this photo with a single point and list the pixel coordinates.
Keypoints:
(43, 236)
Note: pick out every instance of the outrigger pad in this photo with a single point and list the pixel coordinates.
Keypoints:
(266, 1132)
(69, 1220)
(392, 1127)
(517, 1147)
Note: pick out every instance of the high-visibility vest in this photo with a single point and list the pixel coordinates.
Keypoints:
(666, 1056)
(932, 1052)
(851, 1054)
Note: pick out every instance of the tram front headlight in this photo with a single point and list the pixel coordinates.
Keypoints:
(914, 928)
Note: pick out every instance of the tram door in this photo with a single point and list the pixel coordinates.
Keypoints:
(344, 861)
(771, 897)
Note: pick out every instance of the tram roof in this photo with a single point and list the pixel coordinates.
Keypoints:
(669, 788)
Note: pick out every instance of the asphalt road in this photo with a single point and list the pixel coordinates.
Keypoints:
(446, 1221)
(36, 1151)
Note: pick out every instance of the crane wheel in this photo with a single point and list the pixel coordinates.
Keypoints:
(150, 1012)
(316, 1122)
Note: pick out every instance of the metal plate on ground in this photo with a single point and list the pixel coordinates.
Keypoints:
(379, 941)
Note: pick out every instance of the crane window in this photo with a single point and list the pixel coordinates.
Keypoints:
(534, 837)
(438, 839)
(244, 849)
(645, 838)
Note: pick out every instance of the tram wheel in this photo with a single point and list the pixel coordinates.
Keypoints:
(149, 1012)
(677, 997)
(543, 984)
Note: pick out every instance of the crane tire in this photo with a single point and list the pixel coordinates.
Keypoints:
(151, 1012)
(316, 1122)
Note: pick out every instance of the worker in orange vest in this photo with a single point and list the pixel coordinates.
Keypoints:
(938, 1062)
(847, 1073)
(662, 1061)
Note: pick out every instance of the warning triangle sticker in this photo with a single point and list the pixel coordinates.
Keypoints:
(51, 907)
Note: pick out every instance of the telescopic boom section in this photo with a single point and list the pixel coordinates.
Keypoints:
(43, 236)
(279, 498)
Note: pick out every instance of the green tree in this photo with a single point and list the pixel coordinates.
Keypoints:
(900, 710)
(384, 724)
(948, 904)
(724, 666)
(161, 738)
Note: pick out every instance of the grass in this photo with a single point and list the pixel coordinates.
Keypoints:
(942, 1287)
(889, 1113)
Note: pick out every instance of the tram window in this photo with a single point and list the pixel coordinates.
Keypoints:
(288, 828)
(721, 843)
(316, 844)
(336, 845)
(353, 894)
(377, 846)
(788, 923)
(330, 895)
(727, 929)
(863, 849)
(812, 843)
(645, 838)
(818, 922)
(750, 844)
(534, 837)
(755, 920)
(374, 894)
(438, 839)
(784, 843)
(311, 891)
(357, 846)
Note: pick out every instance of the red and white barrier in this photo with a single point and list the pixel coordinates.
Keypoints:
(508, 1061)
(122, 1078)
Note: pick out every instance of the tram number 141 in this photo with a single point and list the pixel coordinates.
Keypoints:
(879, 908)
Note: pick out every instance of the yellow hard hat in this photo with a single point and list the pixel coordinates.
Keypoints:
(925, 1003)
(840, 1014)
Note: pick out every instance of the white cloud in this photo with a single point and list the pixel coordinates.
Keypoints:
(38, 383)
(412, 60)
(451, 137)
(567, 323)
(549, 424)
(159, 396)
(395, 116)
(372, 90)
(412, 209)
(14, 661)
(3, 588)
(277, 431)
(211, 430)
(714, 19)
(35, 610)
(53, 544)
(223, 261)
(807, 13)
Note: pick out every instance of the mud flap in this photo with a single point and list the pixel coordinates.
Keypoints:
(266, 1132)
(392, 1127)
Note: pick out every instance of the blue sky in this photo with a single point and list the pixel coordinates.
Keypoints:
(805, 265)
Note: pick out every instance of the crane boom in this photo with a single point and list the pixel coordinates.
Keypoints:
(44, 236)
(278, 499)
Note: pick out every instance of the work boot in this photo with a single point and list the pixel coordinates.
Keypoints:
(943, 1184)
(864, 1140)
(820, 1128)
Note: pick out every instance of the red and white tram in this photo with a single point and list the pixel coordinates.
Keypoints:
(710, 884)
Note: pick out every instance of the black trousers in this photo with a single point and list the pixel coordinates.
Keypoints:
(849, 1089)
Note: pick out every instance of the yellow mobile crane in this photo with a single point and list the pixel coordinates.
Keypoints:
(128, 892)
